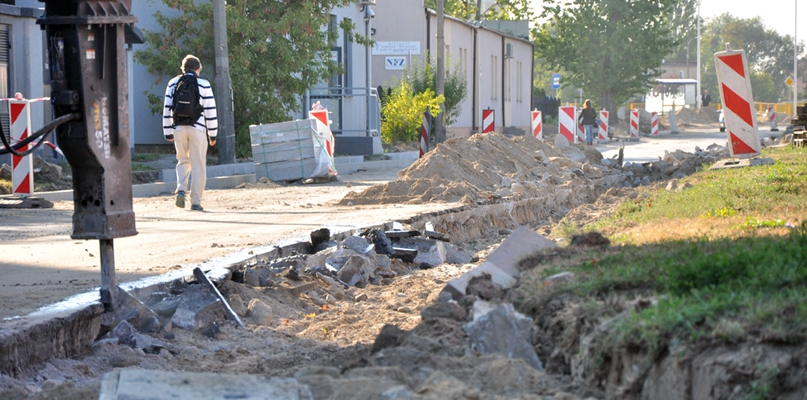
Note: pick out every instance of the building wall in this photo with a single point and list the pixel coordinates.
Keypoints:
(493, 74)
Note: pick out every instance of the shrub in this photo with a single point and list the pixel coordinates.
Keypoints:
(403, 112)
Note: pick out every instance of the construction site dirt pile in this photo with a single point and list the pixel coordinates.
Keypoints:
(688, 116)
(477, 169)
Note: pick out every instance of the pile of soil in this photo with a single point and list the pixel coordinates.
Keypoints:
(477, 169)
(690, 116)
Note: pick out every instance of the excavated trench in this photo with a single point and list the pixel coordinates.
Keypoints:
(386, 330)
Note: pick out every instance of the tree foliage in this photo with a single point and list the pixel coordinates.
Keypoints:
(403, 112)
(768, 53)
(502, 10)
(422, 78)
(610, 48)
(277, 50)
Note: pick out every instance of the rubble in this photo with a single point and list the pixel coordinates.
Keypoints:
(501, 329)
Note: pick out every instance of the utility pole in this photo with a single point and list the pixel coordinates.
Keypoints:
(440, 121)
(223, 89)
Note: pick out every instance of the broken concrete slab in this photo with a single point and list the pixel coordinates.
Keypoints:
(127, 308)
(198, 307)
(405, 254)
(522, 243)
(258, 276)
(740, 163)
(457, 287)
(228, 311)
(132, 383)
(430, 251)
(396, 235)
(357, 243)
(356, 271)
(457, 255)
(502, 330)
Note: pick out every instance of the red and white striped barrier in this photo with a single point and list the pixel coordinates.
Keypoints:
(634, 124)
(425, 128)
(537, 125)
(324, 129)
(602, 129)
(488, 121)
(581, 133)
(654, 124)
(738, 103)
(567, 122)
(22, 168)
(772, 118)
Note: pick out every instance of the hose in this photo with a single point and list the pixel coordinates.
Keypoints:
(50, 126)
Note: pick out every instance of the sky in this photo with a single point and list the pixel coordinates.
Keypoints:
(775, 14)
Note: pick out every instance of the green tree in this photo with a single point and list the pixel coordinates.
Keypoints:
(278, 49)
(768, 53)
(502, 10)
(610, 48)
(403, 112)
(422, 78)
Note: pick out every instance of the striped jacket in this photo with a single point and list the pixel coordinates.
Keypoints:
(208, 119)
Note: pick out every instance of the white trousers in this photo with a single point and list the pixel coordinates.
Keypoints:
(191, 145)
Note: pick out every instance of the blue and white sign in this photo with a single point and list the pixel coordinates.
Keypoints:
(555, 81)
(395, 63)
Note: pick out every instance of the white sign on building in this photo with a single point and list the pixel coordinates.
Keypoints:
(395, 63)
(396, 48)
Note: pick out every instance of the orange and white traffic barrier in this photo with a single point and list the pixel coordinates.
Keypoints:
(634, 124)
(488, 121)
(537, 125)
(654, 124)
(772, 118)
(581, 132)
(735, 92)
(602, 129)
(567, 121)
(320, 115)
(425, 128)
(22, 168)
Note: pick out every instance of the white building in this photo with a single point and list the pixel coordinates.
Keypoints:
(496, 58)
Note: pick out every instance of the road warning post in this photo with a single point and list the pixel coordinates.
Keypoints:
(734, 82)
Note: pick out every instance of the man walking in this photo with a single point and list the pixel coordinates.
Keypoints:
(706, 99)
(189, 110)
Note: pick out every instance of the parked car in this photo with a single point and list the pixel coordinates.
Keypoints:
(721, 120)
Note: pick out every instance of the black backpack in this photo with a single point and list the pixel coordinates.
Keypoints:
(186, 107)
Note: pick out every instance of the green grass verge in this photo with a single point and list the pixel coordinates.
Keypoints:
(145, 157)
(727, 192)
(720, 289)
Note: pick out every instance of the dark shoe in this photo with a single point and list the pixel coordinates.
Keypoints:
(197, 207)
(180, 199)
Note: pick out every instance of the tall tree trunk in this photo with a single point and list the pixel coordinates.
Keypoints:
(608, 103)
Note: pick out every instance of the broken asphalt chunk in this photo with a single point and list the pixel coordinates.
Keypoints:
(404, 254)
(381, 242)
(401, 234)
(502, 330)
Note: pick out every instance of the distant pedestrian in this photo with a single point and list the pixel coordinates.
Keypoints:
(706, 99)
(189, 111)
(587, 118)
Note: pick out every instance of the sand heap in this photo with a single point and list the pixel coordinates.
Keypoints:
(696, 116)
(481, 168)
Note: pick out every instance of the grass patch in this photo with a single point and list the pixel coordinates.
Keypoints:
(723, 260)
(145, 157)
(142, 167)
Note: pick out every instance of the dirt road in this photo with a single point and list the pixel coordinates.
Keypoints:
(41, 264)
